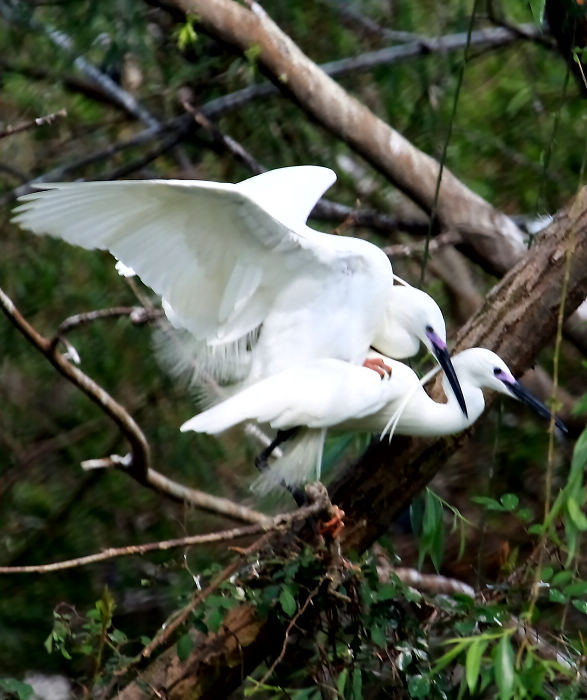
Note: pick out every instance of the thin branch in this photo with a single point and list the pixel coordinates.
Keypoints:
(356, 20)
(164, 147)
(181, 616)
(278, 522)
(494, 37)
(311, 595)
(140, 447)
(143, 137)
(62, 41)
(136, 314)
(123, 97)
(39, 121)
(137, 464)
(403, 250)
(432, 582)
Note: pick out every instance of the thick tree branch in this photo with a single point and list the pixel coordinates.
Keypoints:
(518, 319)
(411, 170)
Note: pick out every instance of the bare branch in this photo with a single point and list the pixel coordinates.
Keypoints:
(132, 432)
(137, 464)
(403, 250)
(490, 37)
(181, 124)
(136, 314)
(278, 522)
(39, 121)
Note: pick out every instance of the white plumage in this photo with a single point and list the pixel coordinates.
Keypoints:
(229, 259)
(334, 394)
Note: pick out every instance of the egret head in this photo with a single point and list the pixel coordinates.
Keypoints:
(413, 317)
(486, 369)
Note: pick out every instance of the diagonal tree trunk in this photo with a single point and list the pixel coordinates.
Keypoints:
(519, 317)
(411, 170)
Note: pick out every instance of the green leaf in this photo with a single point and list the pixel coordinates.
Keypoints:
(581, 605)
(22, 690)
(287, 602)
(577, 588)
(117, 637)
(357, 684)
(378, 636)
(509, 501)
(546, 573)
(555, 596)
(576, 514)
(562, 577)
(579, 458)
(185, 645)
(489, 503)
(387, 592)
(503, 672)
(445, 659)
(341, 682)
(537, 9)
(473, 663)
(419, 687)
(214, 619)
(525, 514)
(536, 529)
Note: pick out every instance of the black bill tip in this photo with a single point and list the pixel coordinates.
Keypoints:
(530, 400)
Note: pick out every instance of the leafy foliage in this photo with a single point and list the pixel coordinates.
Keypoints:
(517, 139)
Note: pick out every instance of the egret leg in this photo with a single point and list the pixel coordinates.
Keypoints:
(262, 459)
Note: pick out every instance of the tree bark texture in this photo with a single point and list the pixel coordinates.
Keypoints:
(517, 320)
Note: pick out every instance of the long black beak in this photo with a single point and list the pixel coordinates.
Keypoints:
(526, 397)
(441, 352)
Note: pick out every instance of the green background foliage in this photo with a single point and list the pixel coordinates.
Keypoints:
(518, 139)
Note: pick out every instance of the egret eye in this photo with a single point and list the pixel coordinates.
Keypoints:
(429, 329)
(497, 371)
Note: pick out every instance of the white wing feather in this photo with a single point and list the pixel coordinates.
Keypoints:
(319, 394)
(207, 248)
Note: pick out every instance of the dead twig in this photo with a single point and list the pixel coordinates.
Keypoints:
(405, 250)
(140, 448)
(278, 522)
(136, 314)
(311, 595)
(39, 121)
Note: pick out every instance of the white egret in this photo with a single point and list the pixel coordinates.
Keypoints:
(230, 259)
(330, 393)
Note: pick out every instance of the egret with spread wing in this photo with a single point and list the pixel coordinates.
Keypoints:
(237, 261)
(330, 393)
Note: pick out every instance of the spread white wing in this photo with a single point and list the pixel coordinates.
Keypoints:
(217, 253)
